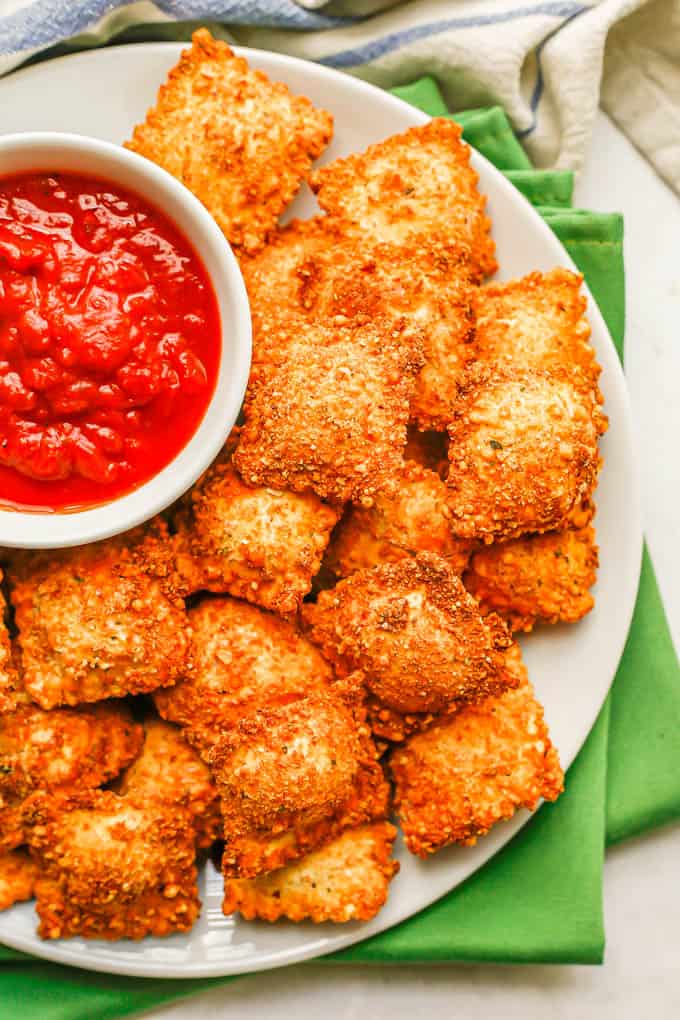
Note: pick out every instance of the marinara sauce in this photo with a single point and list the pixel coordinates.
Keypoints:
(109, 341)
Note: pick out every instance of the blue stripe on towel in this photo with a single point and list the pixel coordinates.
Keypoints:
(388, 43)
(259, 13)
(539, 86)
(45, 22)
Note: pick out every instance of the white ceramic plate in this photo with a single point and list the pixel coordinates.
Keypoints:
(103, 93)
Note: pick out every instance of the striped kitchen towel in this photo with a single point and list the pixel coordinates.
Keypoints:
(547, 62)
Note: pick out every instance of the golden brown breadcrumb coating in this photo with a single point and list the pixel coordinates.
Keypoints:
(271, 276)
(414, 518)
(297, 758)
(523, 453)
(112, 868)
(169, 771)
(418, 637)
(536, 579)
(63, 749)
(239, 141)
(18, 873)
(291, 777)
(97, 622)
(537, 322)
(326, 409)
(346, 880)
(441, 304)
(244, 658)
(421, 288)
(457, 779)
(258, 544)
(411, 185)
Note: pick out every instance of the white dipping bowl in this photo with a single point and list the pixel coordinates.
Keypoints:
(55, 152)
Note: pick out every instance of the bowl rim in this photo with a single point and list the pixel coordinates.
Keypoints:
(59, 529)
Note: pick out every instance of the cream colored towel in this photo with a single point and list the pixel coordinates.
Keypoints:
(547, 63)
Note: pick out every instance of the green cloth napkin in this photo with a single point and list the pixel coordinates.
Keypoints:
(540, 900)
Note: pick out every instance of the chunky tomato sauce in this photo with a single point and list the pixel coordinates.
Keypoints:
(109, 341)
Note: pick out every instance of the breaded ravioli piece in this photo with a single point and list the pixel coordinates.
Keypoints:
(346, 880)
(18, 874)
(463, 775)
(416, 635)
(536, 579)
(169, 771)
(327, 408)
(97, 622)
(65, 749)
(271, 276)
(414, 518)
(291, 777)
(244, 658)
(410, 185)
(422, 286)
(523, 453)
(111, 867)
(537, 322)
(240, 142)
(259, 544)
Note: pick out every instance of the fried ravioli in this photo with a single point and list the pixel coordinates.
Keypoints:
(271, 276)
(420, 288)
(112, 868)
(423, 287)
(457, 779)
(168, 771)
(537, 579)
(417, 636)
(18, 873)
(244, 658)
(291, 777)
(411, 185)
(326, 409)
(346, 880)
(64, 749)
(537, 322)
(414, 518)
(96, 622)
(258, 544)
(240, 142)
(523, 453)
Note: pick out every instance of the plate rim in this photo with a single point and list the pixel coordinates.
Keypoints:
(60, 951)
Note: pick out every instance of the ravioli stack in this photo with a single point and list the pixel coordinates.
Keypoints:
(321, 631)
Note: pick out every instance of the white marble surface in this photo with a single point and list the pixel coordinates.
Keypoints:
(640, 976)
